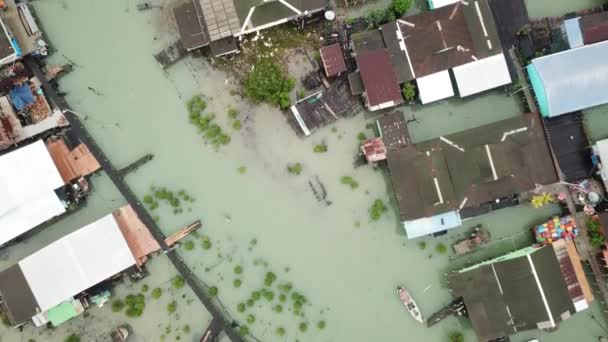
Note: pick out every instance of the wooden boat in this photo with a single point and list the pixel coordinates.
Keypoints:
(121, 333)
(409, 304)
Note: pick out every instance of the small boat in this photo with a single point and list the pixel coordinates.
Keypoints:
(409, 304)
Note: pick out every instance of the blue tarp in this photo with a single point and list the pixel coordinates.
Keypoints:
(21, 96)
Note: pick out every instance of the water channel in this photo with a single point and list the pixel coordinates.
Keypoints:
(262, 219)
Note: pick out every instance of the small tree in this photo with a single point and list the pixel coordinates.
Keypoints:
(399, 7)
(456, 336)
(409, 91)
(268, 83)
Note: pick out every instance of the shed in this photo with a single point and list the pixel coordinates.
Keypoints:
(333, 60)
(379, 80)
(572, 28)
(374, 150)
(571, 80)
(481, 75)
(435, 87)
(568, 139)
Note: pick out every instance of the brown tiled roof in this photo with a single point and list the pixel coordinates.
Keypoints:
(595, 27)
(379, 78)
(333, 59)
(447, 37)
(73, 164)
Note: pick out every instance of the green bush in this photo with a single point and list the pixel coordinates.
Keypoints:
(238, 269)
(303, 327)
(282, 298)
(172, 307)
(280, 331)
(196, 105)
(250, 319)
(232, 113)
(422, 245)
(186, 329)
(320, 148)
(267, 83)
(189, 245)
(278, 308)
(321, 325)
(72, 338)
(237, 283)
(361, 136)
(269, 278)
(456, 336)
(118, 305)
(285, 287)
(294, 169)
(377, 209)
(135, 305)
(236, 124)
(206, 243)
(256, 295)
(243, 330)
(441, 248)
(409, 91)
(594, 229)
(156, 293)
(350, 181)
(399, 7)
(178, 282)
(213, 291)
(242, 169)
(269, 295)
(240, 307)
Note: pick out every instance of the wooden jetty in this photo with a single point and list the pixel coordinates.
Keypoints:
(182, 233)
(135, 165)
(171, 54)
(455, 308)
(210, 303)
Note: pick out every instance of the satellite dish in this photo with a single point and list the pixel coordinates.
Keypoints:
(330, 15)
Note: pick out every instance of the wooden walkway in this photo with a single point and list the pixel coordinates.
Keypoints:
(224, 321)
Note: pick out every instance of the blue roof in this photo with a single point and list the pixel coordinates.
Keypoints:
(571, 80)
(574, 32)
(429, 225)
(21, 96)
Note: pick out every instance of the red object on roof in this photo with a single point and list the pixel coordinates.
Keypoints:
(595, 27)
(333, 59)
(374, 150)
(379, 79)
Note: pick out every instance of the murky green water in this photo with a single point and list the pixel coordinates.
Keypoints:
(345, 265)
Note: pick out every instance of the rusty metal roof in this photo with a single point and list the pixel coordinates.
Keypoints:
(333, 59)
(379, 78)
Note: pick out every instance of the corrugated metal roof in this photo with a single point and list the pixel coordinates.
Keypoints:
(573, 32)
(595, 27)
(333, 59)
(76, 262)
(479, 76)
(435, 87)
(571, 80)
(379, 78)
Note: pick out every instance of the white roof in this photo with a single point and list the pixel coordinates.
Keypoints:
(433, 4)
(76, 262)
(482, 75)
(602, 151)
(429, 225)
(25, 217)
(25, 174)
(28, 178)
(435, 87)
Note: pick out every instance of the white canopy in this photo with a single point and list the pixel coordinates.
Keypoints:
(76, 262)
(433, 4)
(429, 225)
(482, 75)
(435, 87)
(28, 178)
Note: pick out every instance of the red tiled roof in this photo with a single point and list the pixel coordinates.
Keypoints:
(595, 28)
(379, 79)
(333, 60)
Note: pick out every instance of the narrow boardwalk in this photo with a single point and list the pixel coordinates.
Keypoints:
(78, 128)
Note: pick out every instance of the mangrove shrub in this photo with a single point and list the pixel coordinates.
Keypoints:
(267, 83)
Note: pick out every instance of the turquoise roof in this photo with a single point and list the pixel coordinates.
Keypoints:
(539, 90)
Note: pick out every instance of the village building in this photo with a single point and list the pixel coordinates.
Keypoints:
(451, 50)
(39, 183)
(570, 80)
(24, 110)
(19, 33)
(216, 23)
(440, 182)
(332, 59)
(532, 288)
(75, 263)
(586, 30)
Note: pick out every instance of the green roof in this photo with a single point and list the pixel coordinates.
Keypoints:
(62, 312)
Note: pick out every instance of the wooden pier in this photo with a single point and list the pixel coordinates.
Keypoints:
(135, 165)
(199, 289)
(171, 54)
